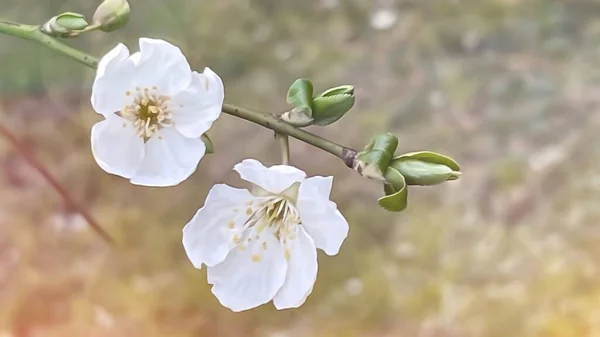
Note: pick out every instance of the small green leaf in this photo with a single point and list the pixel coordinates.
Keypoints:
(374, 160)
(418, 172)
(386, 142)
(431, 157)
(53, 29)
(300, 95)
(373, 164)
(71, 21)
(332, 104)
(396, 198)
(329, 109)
(339, 90)
(64, 25)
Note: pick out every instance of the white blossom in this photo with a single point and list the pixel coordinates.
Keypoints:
(156, 109)
(260, 245)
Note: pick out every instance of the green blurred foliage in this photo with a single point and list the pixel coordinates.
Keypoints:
(507, 87)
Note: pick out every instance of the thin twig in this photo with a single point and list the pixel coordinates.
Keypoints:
(269, 121)
(284, 147)
(64, 193)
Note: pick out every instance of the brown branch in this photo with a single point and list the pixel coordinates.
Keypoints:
(64, 193)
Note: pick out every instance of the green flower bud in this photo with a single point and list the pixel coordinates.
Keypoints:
(426, 168)
(111, 15)
(396, 193)
(374, 160)
(64, 24)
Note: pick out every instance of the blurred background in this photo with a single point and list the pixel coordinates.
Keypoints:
(510, 88)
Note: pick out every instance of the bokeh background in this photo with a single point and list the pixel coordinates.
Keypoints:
(510, 88)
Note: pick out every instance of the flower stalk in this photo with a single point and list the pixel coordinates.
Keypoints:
(284, 147)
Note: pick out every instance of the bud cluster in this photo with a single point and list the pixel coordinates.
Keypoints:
(322, 109)
(423, 168)
(109, 16)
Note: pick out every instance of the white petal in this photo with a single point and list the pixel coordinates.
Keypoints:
(215, 229)
(199, 105)
(302, 272)
(320, 217)
(113, 80)
(250, 275)
(170, 159)
(161, 64)
(274, 179)
(116, 147)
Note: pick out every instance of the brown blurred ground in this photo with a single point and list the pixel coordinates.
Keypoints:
(508, 87)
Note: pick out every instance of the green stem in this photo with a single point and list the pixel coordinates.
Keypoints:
(269, 121)
(33, 33)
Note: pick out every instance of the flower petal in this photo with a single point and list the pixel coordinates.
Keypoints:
(199, 105)
(170, 159)
(215, 229)
(116, 147)
(274, 179)
(252, 273)
(302, 272)
(161, 64)
(113, 80)
(320, 216)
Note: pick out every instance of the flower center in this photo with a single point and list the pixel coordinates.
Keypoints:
(283, 216)
(276, 212)
(278, 215)
(149, 112)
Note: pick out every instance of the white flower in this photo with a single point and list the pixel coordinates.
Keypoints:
(261, 245)
(156, 110)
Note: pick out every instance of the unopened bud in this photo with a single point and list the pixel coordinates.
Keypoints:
(333, 104)
(64, 24)
(111, 15)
